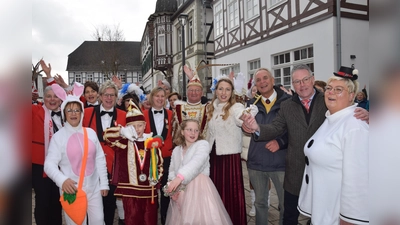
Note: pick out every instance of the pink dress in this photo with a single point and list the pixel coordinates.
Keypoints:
(199, 203)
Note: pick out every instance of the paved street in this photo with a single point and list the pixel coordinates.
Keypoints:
(273, 211)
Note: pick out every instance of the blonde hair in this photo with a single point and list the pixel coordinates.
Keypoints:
(154, 92)
(106, 85)
(230, 103)
(352, 85)
(179, 139)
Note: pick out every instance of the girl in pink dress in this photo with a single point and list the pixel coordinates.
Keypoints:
(195, 200)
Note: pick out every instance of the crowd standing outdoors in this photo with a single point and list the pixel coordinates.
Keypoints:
(150, 154)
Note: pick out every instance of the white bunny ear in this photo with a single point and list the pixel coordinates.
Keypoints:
(239, 82)
(78, 89)
(59, 91)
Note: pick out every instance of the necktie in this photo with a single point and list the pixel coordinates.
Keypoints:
(159, 111)
(102, 113)
(56, 113)
(305, 104)
(267, 101)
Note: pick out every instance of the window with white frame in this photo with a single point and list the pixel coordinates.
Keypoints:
(218, 19)
(123, 78)
(190, 34)
(89, 77)
(179, 39)
(161, 41)
(228, 70)
(253, 66)
(233, 13)
(78, 78)
(282, 64)
(252, 9)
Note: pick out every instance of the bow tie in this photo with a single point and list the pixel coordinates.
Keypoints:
(89, 106)
(102, 113)
(56, 113)
(159, 111)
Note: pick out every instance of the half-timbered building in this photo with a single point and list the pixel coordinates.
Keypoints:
(278, 34)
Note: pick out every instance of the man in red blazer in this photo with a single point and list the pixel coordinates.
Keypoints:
(99, 118)
(159, 121)
(46, 120)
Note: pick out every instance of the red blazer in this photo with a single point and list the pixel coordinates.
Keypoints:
(167, 131)
(92, 119)
(37, 146)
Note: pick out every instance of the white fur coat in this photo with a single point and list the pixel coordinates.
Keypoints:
(227, 134)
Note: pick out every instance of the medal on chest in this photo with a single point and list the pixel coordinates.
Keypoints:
(141, 156)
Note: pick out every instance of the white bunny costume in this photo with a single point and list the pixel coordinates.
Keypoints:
(64, 158)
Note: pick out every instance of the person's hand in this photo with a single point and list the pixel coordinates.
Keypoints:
(188, 72)
(60, 81)
(289, 92)
(250, 124)
(117, 81)
(35, 96)
(175, 196)
(46, 69)
(342, 222)
(159, 83)
(104, 193)
(361, 114)
(128, 132)
(365, 86)
(272, 146)
(174, 184)
(69, 186)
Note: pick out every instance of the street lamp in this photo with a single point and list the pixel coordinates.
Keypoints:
(182, 19)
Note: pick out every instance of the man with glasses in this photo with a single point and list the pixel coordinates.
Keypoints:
(300, 116)
(100, 118)
(192, 108)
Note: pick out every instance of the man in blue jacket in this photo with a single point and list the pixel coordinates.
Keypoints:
(266, 159)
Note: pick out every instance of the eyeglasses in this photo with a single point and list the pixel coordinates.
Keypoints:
(109, 95)
(191, 130)
(73, 111)
(305, 80)
(195, 91)
(336, 90)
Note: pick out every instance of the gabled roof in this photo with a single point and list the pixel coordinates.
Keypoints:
(166, 6)
(91, 55)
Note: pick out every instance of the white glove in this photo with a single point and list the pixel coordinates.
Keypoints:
(128, 132)
(239, 82)
(252, 109)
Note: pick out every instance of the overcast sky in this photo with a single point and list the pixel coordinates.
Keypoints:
(59, 27)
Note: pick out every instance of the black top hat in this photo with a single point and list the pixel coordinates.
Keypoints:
(347, 72)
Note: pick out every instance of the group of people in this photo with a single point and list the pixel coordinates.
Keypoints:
(153, 152)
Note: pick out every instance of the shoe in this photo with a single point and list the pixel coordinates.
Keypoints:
(121, 222)
(253, 199)
(252, 211)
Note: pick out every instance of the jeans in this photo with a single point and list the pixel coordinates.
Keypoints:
(260, 181)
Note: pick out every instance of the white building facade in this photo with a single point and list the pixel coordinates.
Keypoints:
(280, 34)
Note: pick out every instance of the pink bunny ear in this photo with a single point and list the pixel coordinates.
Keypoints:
(78, 89)
(59, 91)
(188, 72)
